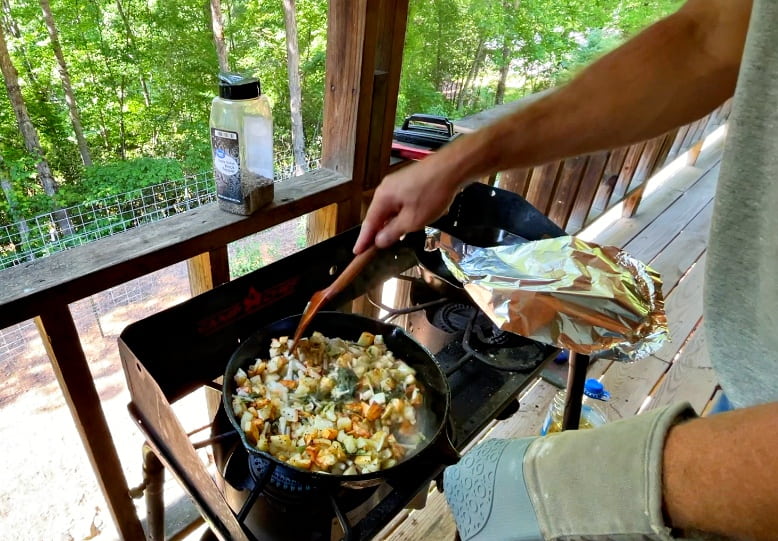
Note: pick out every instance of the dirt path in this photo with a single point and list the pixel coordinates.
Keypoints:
(47, 488)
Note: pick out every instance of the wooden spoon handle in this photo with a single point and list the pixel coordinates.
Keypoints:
(351, 271)
(321, 297)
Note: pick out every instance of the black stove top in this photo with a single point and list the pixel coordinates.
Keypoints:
(184, 348)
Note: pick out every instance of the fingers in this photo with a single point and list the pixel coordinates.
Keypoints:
(377, 214)
(365, 238)
(380, 228)
(391, 232)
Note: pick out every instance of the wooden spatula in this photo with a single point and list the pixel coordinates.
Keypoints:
(321, 297)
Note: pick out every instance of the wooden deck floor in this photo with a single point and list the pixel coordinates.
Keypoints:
(669, 232)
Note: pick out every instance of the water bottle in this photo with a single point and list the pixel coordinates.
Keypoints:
(593, 409)
(242, 145)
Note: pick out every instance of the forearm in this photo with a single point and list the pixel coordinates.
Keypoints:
(672, 73)
(720, 474)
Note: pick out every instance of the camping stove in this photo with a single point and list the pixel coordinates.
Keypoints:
(187, 347)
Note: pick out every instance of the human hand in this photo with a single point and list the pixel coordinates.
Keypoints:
(596, 484)
(406, 201)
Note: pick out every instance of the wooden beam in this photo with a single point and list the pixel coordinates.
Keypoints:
(609, 178)
(632, 201)
(391, 24)
(352, 30)
(208, 270)
(60, 338)
(570, 178)
(514, 180)
(627, 171)
(653, 158)
(74, 274)
(541, 185)
(591, 181)
(675, 149)
(205, 272)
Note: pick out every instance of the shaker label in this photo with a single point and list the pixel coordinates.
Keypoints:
(226, 164)
(225, 134)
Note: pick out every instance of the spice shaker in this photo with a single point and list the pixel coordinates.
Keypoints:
(242, 145)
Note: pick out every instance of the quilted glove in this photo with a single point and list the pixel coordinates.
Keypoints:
(596, 484)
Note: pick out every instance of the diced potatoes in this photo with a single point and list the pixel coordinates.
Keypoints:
(333, 407)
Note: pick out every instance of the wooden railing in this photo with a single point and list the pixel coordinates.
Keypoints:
(575, 191)
(365, 44)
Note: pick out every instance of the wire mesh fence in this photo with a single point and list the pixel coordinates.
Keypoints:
(45, 234)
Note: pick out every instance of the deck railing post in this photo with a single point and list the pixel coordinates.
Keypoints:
(60, 338)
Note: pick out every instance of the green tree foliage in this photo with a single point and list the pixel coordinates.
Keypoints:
(143, 73)
(540, 42)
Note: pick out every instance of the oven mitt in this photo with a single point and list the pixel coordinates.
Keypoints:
(604, 483)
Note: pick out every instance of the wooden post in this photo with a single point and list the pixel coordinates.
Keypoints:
(576, 378)
(570, 178)
(627, 171)
(63, 346)
(208, 270)
(364, 61)
(632, 201)
(697, 139)
(344, 107)
(392, 17)
(515, 180)
(542, 184)
(592, 177)
(610, 176)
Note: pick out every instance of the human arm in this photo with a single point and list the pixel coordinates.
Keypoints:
(721, 474)
(671, 73)
(657, 476)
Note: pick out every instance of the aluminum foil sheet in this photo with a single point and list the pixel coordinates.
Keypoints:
(590, 299)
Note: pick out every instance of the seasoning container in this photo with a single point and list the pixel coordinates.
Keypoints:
(594, 409)
(242, 145)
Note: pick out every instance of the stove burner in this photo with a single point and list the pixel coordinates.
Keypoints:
(452, 317)
(279, 477)
(456, 317)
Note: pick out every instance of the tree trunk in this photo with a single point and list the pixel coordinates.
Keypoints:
(499, 95)
(31, 141)
(13, 207)
(295, 98)
(93, 78)
(122, 133)
(13, 29)
(471, 75)
(134, 48)
(218, 35)
(70, 98)
(438, 76)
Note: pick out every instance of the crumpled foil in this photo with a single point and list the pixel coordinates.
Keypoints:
(590, 299)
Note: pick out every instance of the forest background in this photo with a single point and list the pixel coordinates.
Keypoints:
(104, 118)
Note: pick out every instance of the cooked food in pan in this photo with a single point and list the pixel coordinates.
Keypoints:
(335, 406)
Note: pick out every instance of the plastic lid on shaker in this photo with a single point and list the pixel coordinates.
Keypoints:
(233, 86)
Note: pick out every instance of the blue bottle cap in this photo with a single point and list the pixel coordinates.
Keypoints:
(563, 357)
(594, 389)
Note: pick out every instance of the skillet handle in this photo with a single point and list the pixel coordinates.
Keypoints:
(442, 451)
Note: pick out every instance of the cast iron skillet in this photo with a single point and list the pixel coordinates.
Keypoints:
(436, 447)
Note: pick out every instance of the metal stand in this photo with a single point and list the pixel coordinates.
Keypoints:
(152, 488)
(576, 378)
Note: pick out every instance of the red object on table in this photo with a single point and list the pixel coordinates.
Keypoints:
(409, 151)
